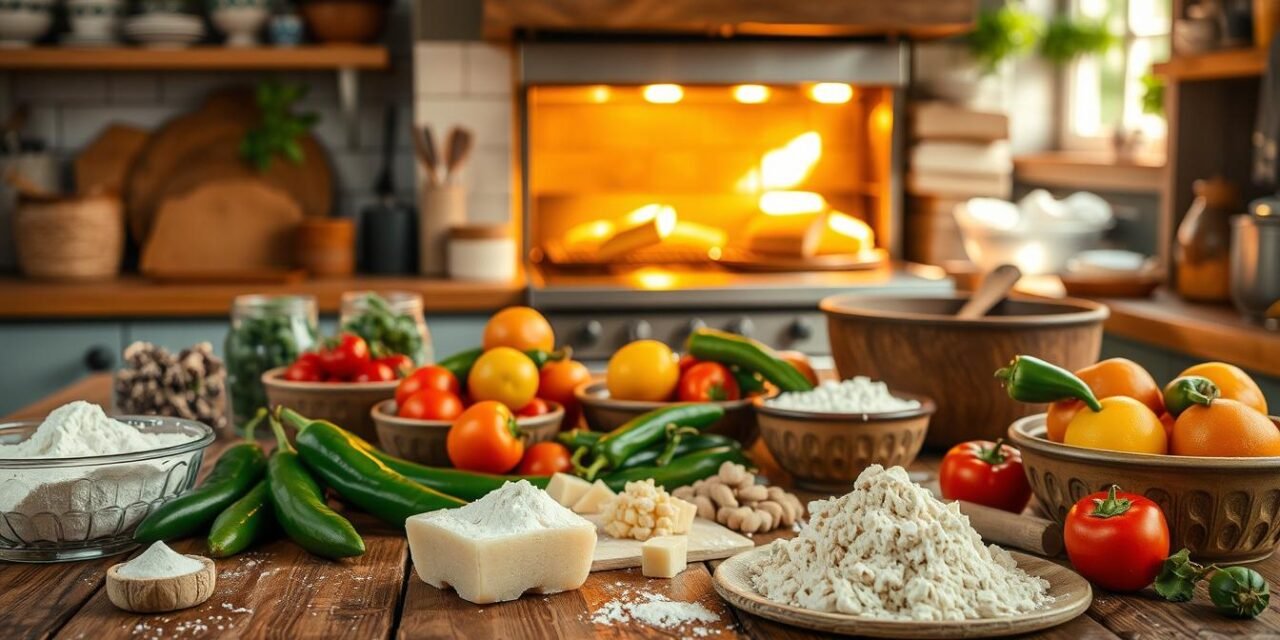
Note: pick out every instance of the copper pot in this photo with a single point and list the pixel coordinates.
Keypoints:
(344, 21)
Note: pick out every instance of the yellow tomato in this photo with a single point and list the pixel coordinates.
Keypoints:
(520, 328)
(1124, 424)
(643, 370)
(505, 375)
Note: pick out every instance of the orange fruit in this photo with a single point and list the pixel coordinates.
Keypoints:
(1124, 424)
(1168, 422)
(520, 328)
(1233, 383)
(1224, 428)
(1108, 378)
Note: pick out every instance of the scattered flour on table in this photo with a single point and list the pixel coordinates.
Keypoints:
(889, 550)
(159, 561)
(859, 394)
(659, 611)
(515, 507)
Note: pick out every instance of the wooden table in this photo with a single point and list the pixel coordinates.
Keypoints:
(278, 590)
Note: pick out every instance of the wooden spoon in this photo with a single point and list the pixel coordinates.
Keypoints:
(157, 595)
(994, 288)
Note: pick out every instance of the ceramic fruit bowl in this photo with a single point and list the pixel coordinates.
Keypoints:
(239, 20)
(345, 404)
(603, 413)
(423, 441)
(827, 451)
(22, 22)
(1225, 510)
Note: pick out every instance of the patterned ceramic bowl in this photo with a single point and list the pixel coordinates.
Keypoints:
(1224, 510)
(345, 404)
(423, 441)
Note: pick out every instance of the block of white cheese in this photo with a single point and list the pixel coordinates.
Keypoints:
(664, 556)
(567, 489)
(594, 498)
(682, 521)
(512, 541)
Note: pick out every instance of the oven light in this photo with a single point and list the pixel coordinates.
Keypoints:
(831, 92)
(789, 203)
(598, 94)
(751, 93)
(663, 93)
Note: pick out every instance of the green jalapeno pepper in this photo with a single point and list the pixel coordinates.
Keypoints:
(1029, 379)
(243, 523)
(233, 475)
(682, 471)
(1182, 393)
(747, 354)
(643, 431)
(579, 438)
(300, 508)
(652, 457)
(1239, 592)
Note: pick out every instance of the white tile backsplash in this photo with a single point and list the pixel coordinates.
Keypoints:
(437, 68)
(80, 125)
(488, 69)
(488, 118)
(489, 171)
(61, 87)
(133, 88)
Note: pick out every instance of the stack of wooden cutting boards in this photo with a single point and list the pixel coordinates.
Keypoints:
(196, 209)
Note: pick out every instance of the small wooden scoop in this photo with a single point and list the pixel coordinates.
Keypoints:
(994, 288)
(157, 595)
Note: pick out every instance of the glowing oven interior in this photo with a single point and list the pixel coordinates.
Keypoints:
(681, 174)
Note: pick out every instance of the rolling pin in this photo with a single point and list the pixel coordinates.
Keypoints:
(1026, 532)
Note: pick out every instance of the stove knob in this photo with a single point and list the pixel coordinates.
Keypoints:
(743, 326)
(692, 325)
(590, 333)
(801, 329)
(639, 330)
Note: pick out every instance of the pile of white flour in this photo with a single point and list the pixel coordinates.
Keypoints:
(515, 507)
(82, 502)
(159, 561)
(889, 550)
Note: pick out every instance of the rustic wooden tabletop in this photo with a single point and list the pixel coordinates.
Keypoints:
(278, 590)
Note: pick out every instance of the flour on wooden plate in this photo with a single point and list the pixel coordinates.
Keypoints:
(889, 550)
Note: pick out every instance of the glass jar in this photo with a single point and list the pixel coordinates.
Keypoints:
(266, 332)
(391, 322)
(1202, 251)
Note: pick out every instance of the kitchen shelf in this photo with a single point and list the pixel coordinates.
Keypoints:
(1230, 63)
(353, 57)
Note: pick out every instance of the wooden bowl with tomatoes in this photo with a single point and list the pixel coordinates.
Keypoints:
(1224, 509)
(423, 441)
(603, 413)
(345, 404)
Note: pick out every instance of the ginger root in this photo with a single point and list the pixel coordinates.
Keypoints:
(732, 498)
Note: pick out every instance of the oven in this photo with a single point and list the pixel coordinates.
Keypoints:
(667, 185)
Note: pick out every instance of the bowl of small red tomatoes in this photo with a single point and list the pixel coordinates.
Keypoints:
(338, 383)
(415, 423)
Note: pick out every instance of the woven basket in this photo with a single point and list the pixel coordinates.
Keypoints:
(70, 239)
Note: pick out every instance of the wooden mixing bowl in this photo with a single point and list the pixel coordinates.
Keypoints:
(423, 441)
(603, 413)
(1224, 510)
(919, 346)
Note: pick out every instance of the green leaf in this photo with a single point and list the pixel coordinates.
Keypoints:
(1178, 576)
(293, 151)
(1068, 38)
(1003, 34)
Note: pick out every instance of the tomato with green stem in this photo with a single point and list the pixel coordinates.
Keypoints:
(707, 382)
(1117, 540)
(428, 377)
(986, 473)
(485, 438)
(345, 356)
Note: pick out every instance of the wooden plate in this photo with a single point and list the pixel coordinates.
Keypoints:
(1072, 595)
(744, 260)
(1139, 285)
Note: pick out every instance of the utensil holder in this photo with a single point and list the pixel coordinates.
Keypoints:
(443, 206)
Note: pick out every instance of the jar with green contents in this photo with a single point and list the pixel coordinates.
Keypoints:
(266, 332)
(391, 322)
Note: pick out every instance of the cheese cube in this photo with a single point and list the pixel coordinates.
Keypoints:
(507, 543)
(594, 498)
(664, 556)
(682, 521)
(567, 489)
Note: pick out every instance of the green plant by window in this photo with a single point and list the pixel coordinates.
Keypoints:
(280, 129)
(1152, 94)
(1002, 34)
(1067, 38)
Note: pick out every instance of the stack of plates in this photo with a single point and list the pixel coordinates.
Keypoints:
(164, 30)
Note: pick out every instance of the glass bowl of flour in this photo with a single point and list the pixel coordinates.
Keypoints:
(75, 485)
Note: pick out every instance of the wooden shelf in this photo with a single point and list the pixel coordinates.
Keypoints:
(196, 58)
(1231, 63)
(1080, 170)
(134, 297)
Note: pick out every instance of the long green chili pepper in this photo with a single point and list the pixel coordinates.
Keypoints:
(459, 364)
(749, 382)
(300, 507)
(243, 523)
(1029, 379)
(613, 448)
(466, 485)
(576, 438)
(233, 475)
(748, 354)
(362, 479)
(681, 471)
(687, 444)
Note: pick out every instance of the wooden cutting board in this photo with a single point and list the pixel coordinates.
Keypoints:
(202, 146)
(707, 541)
(225, 226)
(105, 164)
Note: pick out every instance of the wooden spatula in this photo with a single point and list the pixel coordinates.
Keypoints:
(994, 288)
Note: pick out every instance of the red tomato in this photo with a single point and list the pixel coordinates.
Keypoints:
(986, 473)
(311, 358)
(303, 371)
(544, 459)
(375, 372)
(400, 363)
(707, 382)
(345, 357)
(430, 404)
(556, 382)
(686, 361)
(485, 438)
(536, 407)
(1117, 540)
(428, 377)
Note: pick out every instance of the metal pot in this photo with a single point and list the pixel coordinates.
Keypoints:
(1255, 260)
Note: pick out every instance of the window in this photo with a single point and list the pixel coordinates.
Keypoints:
(1105, 91)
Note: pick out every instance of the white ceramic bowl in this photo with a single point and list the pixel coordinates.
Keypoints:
(240, 24)
(22, 22)
(93, 20)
